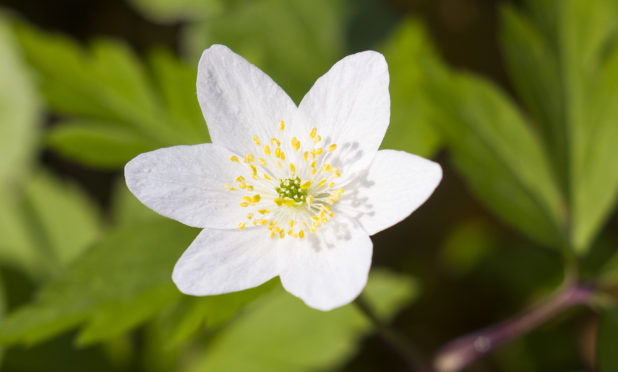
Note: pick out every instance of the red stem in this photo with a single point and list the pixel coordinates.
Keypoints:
(461, 352)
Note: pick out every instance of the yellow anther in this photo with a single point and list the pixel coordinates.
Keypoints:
(249, 158)
(317, 139)
(332, 147)
(291, 224)
(295, 143)
(240, 179)
(313, 171)
(272, 234)
(267, 177)
(241, 225)
(318, 151)
(301, 234)
(326, 168)
(263, 211)
(256, 198)
(282, 125)
(267, 150)
(242, 185)
(249, 216)
(305, 185)
(291, 232)
(278, 201)
(306, 156)
(312, 229)
(278, 152)
(274, 141)
(253, 169)
(229, 187)
(234, 158)
(313, 132)
(262, 161)
(321, 183)
(281, 234)
(289, 202)
(292, 168)
(331, 185)
(244, 204)
(247, 199)
(256, 140)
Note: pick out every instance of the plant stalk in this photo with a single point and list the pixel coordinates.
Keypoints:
(463, 351)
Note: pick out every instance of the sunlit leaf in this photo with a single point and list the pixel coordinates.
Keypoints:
(122, 106)
(101, 145)
(563, 59)
(66, 218)
(279, 333)
(128, 263)
(19, 112)
(499, 155)
(178, 10)
(410, 128)
(293, 41)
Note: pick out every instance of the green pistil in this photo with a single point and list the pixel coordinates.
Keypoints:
(289, 188)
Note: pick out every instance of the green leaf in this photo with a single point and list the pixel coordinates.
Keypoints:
(279, 333)
(67, 219)
(120, 269)
(499, 155)
(19, 112)
(563, 59)
(168, 11)
(122, 106)
(310, 37)
(101, 145)
(607, 358)
(410, 128)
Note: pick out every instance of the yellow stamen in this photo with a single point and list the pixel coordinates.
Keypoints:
(234, 158)
(256, 140)
(332, 147)
(282, 125)
(313, 132)
(267, 150)
(241, 225)
(305, 185)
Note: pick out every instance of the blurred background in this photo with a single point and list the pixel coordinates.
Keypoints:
(515, 99)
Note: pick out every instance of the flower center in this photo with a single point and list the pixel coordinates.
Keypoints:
(291, 188)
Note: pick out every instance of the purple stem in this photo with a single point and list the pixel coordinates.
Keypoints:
(461, 352)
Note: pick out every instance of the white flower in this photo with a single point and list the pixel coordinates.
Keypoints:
(285, 190)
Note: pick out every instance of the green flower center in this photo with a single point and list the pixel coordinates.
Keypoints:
(290, 188)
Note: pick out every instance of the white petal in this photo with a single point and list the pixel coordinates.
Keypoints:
(328, 268)
(186, 183)
(222, 261)
(239, 101)
(396, 184)
(350, 106)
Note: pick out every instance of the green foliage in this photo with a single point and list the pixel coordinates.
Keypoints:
(499, 155)
(563, 59)
(119, 271)
(19, 112)
(309, 38)
(113, 99)
(178, 10)
(410, 128)
(280, 333)
(607, 358)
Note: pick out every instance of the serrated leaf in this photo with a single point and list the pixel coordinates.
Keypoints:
(99, 145)
(500, 156)
(67, 218)
(563, 59)
(19, 112)
(108, 90)
(607, 358)
(410, 127)
(120, 268)
(310, 38)
(279, 333)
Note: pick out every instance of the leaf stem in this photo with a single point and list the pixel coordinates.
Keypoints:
(463, 351)
(396, 341)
